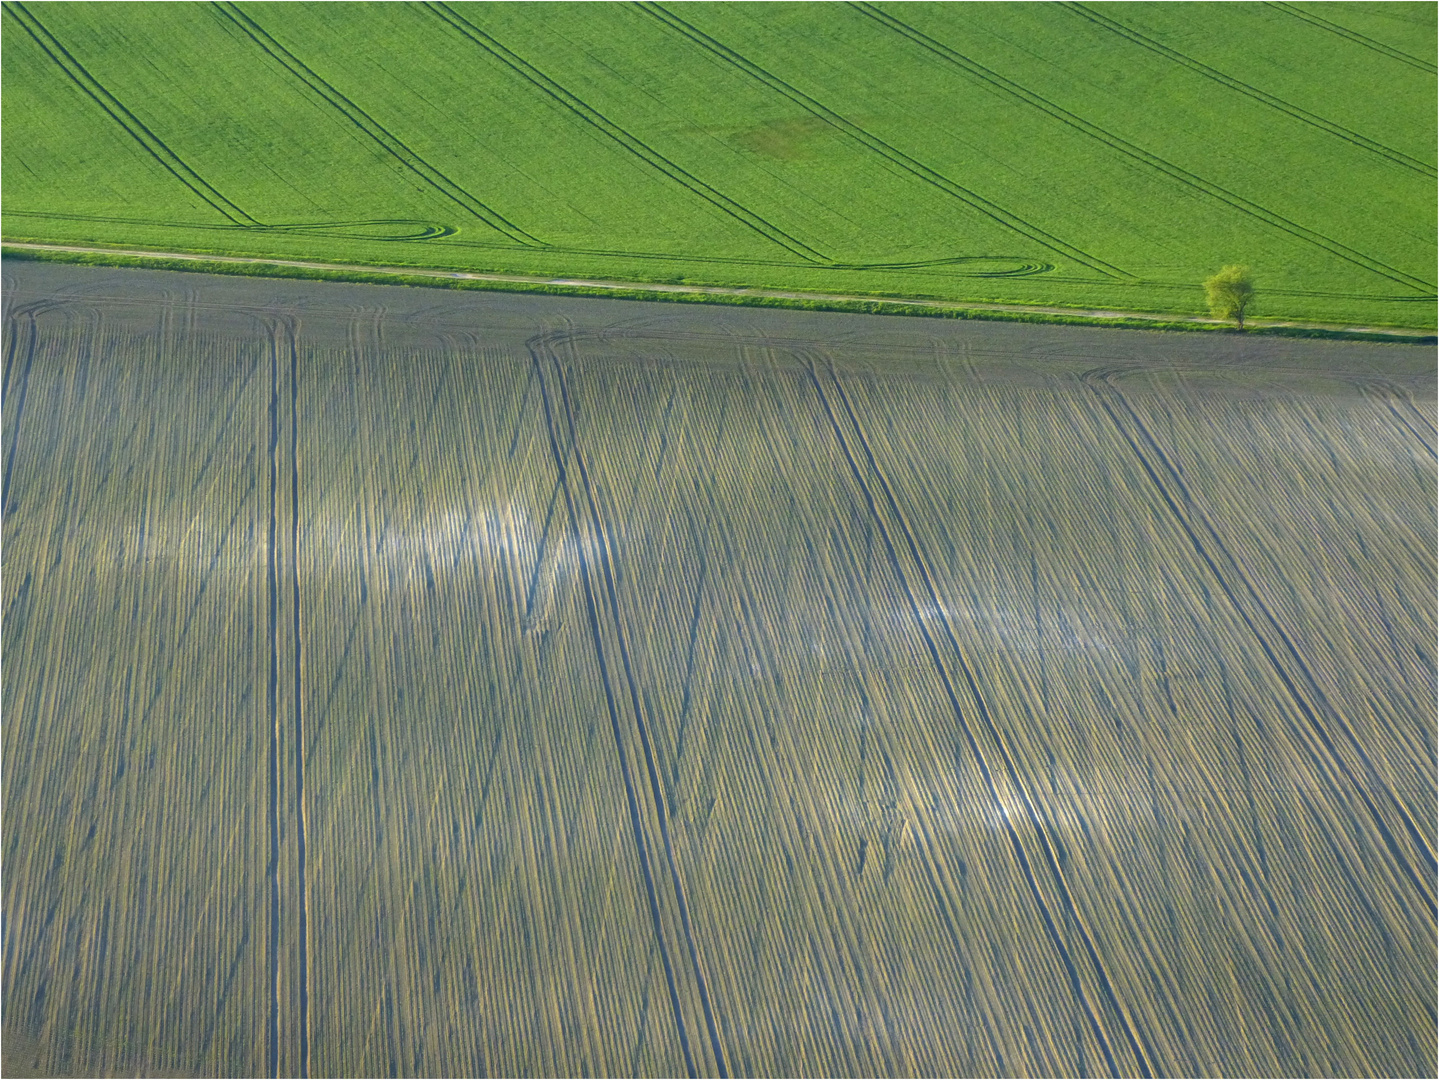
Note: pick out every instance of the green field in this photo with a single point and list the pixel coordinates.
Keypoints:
(1078, 154)
(438, 684)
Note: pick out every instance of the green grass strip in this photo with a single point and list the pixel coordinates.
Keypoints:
(853, 307)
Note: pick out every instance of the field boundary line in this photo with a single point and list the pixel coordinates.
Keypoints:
(887, 516)
(92, 88)
(596, 549)
(873, 143)
(1302, 115)
(1356, 37)
(615, 133)
(377, 133)
(1303, 688)
(1138, 153)
(661, 290)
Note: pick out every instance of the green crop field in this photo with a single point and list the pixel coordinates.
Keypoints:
(1087, 155)
(402, 683)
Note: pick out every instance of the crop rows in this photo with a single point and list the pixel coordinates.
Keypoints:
(414, 684)
(1351, 35)
(1245, 88)
(873, 156)
(122, 116)
(553, 90)
(918, 169)
(1139, 154)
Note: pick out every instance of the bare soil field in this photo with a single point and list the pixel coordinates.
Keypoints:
(406, 682)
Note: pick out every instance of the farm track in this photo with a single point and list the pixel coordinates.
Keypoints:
(376, 132)
(1323, 719)
(289, 1032)
(1137, 153)
(648, 809)
(576, 106)
(1356, 37)
(1097, 314)
(128, 122)
(909, 567)
(903, 161)
(272, 701)
(1279, 104)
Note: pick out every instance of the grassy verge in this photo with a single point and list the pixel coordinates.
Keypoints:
(857, 307)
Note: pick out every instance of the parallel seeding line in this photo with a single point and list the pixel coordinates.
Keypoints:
(1416, 422)
(1386, 394)
(127, 120)
(283, 576)
(1302, 115)
(1154, 161)
(896, 157)
(848, 978)
(1293, 672)
(573, 473)
(370, 127)
(607, 565)
(889, 519)
(647, 154)
(1356, 37)
(12, 348)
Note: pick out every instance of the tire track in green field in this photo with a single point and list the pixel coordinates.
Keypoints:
(1137, 153)
(382, 137)
(914, 579)
(112, 106)
(1284, 657)
(614, 132)
(1302, 115)
(235, 216)
(903, 161)
(1356, 37)
(597, 575)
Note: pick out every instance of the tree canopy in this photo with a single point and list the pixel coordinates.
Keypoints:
(1229, 292)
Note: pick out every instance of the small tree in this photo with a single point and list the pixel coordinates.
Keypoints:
(1229, 293)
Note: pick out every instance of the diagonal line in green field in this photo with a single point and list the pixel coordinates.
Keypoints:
(896, 157)
(645, 153)
(1154, 161)
(1356, 37)
(132, 125)
(1304, 116)
(376, 132)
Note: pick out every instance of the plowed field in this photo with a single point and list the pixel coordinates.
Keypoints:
(430, 684)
